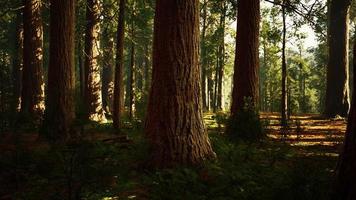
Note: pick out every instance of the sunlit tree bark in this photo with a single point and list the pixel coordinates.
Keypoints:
(93, 98)
(17, 62)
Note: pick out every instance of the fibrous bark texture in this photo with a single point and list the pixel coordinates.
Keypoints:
(337, 88)
(174, 124)
(59, 113)
(118, 86)
(93, 98)
(246, 66)
(32, 101)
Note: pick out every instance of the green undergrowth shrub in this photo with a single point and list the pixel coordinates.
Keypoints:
(246, 124)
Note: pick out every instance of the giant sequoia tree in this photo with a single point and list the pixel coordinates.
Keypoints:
(345, 185)
(59, 113)
(337, 89)
(246, 67)
(32, 101)
(93, 98)
(174, 124)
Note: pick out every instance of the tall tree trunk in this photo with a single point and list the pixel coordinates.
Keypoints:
(246, 66)
(81, 68)
(108, 70)
(174, 124)
(17, 62)
(93, 99)
(118, 85)
(284, 99)
(221, 56)
(131, 82)
(210, 90)
(203, 57)
(59, 114)
(345, 183)
(32, 101)
(337, 87)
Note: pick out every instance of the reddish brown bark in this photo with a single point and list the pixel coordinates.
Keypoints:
(337, 87)
(345, 184)
(32, 102)
(174, 124)
(93, 98)
(246, 60)
(59, 113)
(118, 85)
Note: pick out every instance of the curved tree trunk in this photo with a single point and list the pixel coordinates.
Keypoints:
(337, 87)
(118, 86)
(345, 184)
(174, 124)
(93, 99)
(246, 66)
(32, 102)
(59, 114)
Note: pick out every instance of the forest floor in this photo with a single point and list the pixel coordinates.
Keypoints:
(297, 163)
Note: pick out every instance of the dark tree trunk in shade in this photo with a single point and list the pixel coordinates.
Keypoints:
(337, 87)
(221, 57)
(93, 98)
(118, 85)
(284, 98)
(17, 63)
(246, 65)
(108, 70)
(81, 68)
(174, 124)
(60, 113)
(345, 183)
(32, 101)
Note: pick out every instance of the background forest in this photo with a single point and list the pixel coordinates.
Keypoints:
(202, 99)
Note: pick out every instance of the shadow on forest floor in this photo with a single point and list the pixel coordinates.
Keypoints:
(296, 165)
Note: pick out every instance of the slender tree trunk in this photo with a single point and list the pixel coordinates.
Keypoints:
(59, 114)
(131, 82)
(32, 101)
(108, 70)
(210, 90)
(284, 100)
(246, 66)
(174, 124)
(221, 56)
(17, 62)
(81, 69)
(203, 56)
(147, 76)
(345, 182)
(337, 87)
(118, 85)
(93, 99)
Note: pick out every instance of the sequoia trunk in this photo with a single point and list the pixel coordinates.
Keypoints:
(337, 87)
(246, 66)
(59, 114)
(174, 124)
